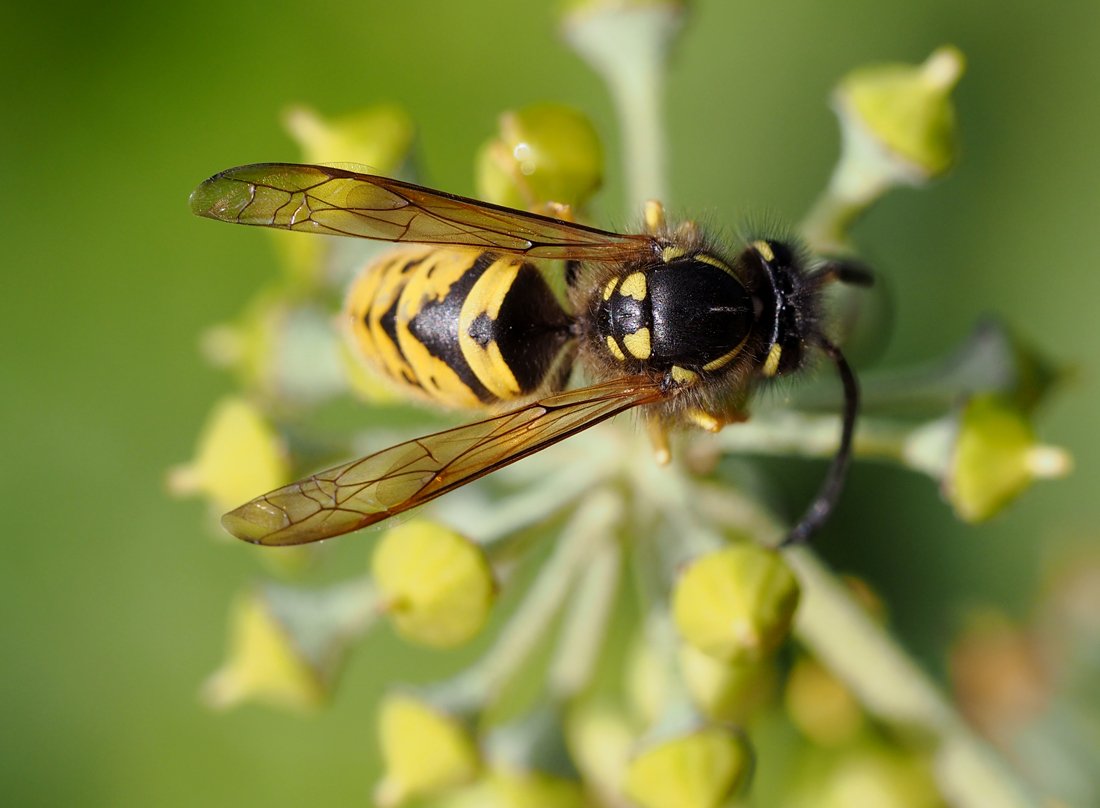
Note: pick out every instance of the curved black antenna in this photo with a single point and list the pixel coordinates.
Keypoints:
(827, 497)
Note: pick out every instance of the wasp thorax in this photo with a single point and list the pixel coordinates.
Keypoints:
(691, 312)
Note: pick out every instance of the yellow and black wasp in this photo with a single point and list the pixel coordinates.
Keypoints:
(662, 319)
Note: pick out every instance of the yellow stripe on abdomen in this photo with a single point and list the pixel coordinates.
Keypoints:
(483, 355)
(461, 327)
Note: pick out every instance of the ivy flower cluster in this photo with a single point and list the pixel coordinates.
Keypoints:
(676, 653)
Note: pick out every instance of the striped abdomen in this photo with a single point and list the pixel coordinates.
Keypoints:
(466, 328)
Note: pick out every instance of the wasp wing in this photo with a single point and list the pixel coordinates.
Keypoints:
(378, 486)
(335, 201)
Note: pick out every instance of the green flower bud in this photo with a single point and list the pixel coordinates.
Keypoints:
(543, 153)
(695, 769)
(264, 663)
(601, 740)
(239, 455)
(377, 138)
(499, 789)
(288, 645)
(517, 789)
(736, 603)
(870, 775)
(426, 749)
(897, 127)
(726, 691)
(648, 681)
(907, 112)
(996, 456)
(820, 706)
(436, 585)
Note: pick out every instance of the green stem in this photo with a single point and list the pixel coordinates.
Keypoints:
(585, 628)
(496, 527)
(925, 448)
(628, 48)
(528, 627)
(889, 685)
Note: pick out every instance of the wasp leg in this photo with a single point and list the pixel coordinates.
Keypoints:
(658, 436)
(654, 217)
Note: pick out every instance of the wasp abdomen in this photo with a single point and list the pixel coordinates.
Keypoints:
(466, 328)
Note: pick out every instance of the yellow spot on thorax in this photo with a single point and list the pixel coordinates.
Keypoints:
(634, 286)
(610, 288)
(638, 343)
(615, 350)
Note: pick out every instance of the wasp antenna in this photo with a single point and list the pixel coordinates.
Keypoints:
(827, 497)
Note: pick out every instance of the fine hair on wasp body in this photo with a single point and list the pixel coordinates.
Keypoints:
(660, 320)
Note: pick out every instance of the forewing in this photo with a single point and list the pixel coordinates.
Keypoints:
(378, 486)
(320, 199)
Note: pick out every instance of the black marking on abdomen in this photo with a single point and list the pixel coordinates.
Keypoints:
(435, 326)
(530, 329)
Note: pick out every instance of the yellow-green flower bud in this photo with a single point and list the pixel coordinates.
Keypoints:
(543, 153)
(425, 750)
(725, 691)
(736, 603)
(264, 664)
(907, 111)
(519, 789)
(239, 456)
(377, 138)
(288, 645)
(897, 124)
(698, 769)
(820, 705)
(647, 681)
(436, 585)
(601, 741)
(996, 457)
(871, 775)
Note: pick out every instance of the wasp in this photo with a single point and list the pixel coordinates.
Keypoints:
(661, 320)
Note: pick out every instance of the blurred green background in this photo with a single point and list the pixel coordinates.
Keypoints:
(114, 596)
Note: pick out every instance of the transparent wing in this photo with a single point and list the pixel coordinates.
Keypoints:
(378, 486)
(320, 199)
